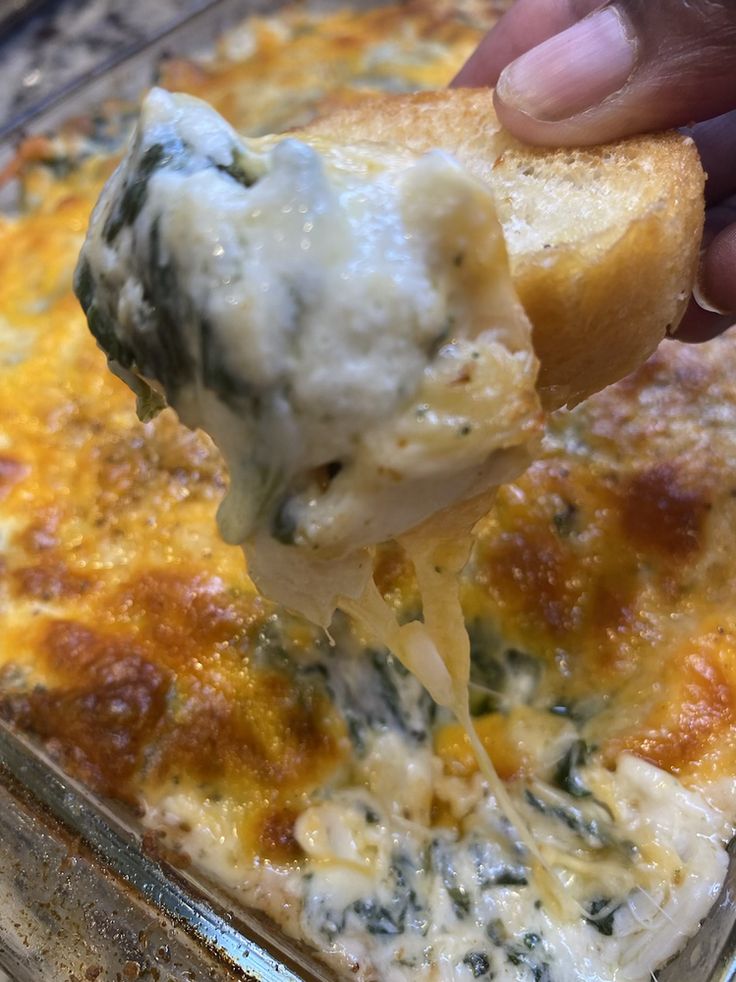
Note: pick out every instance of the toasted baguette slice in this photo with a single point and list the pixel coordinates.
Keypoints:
(602, 241)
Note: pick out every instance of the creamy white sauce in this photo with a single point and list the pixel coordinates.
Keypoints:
(383, 890)
(340, 320)
(385, 893)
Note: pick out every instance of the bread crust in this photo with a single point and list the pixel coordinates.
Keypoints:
(617, 271)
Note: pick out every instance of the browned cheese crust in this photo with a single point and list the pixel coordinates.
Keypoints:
(131, 637)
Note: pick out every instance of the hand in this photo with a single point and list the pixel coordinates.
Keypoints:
(580, 72)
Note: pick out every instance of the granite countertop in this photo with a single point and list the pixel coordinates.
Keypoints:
(67, 38)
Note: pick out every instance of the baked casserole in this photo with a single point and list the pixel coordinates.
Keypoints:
(312, 776)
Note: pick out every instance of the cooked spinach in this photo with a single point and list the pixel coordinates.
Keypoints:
(163, 353)
(332, 923)
(499, 677)
(519, 954)
(589, 828)
(133, 197)
(102, 329)
(460, 900)
(397, 909)
(388, 677)
(99, 322)
(216, 374)
(386, 916)
(511, 876)
(84, 285)
(379, 919)
(567, 776)
(441, 861)
(492, 868)
(565, 520)
(604, 925)
(374, 692)
(539, 971)
(237, 169)
(478, 963)
(496, 931)
(284, 523)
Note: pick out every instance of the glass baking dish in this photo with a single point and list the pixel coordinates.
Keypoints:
(83, 894)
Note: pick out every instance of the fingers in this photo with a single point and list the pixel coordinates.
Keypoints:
(580, 72)
(627, 67)
(699, 325)
(716, 286)
(527, 24)
(716, 142)
(713, 308)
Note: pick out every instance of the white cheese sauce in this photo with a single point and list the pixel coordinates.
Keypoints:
(340, 320)
(387, 895)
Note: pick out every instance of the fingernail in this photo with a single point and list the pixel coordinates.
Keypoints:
(573, 70)
(700, 289)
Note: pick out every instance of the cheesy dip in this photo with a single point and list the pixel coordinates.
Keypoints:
(319, 782)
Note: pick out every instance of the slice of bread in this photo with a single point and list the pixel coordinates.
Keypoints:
(602, 241)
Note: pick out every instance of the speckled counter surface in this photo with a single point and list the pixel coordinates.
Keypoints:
(68, 38)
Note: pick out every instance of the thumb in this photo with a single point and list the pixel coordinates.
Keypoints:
(630, 66)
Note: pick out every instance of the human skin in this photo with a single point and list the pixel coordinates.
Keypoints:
(580, 72)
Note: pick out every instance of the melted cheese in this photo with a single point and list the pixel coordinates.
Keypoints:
(318, 308)
(598, 598)
(340, 320)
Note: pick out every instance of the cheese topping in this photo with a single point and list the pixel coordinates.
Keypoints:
(322, 784)
(342, 322)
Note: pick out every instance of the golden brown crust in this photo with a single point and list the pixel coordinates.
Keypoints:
(599, 309)
(601, 295)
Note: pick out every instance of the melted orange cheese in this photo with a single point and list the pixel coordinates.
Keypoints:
(122, 605)
(130, 631)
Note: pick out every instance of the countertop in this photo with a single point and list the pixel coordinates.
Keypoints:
(65, 39)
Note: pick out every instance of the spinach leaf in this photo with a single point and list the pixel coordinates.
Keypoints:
(103, 330)
(492, 868)
(478, 963)
(284, 522)
(84, 285)
(230, 388)
(237, 169)
(441, 860)
(379, 919)
(131, 201)
(567, 776)
(162, 353)
(604, 925)
(589, 828)
(499, 677)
